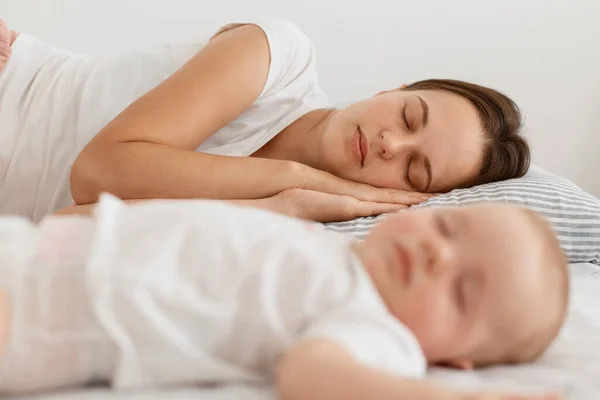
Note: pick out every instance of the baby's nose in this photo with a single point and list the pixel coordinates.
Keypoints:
(440, 257)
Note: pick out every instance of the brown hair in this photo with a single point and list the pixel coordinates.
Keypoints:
(506, 154)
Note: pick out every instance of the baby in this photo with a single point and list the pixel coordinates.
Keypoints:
(202, 292)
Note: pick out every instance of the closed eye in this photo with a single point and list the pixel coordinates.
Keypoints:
(404, 119)
(442, 225)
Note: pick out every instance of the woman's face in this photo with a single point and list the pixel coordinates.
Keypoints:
(425, 141)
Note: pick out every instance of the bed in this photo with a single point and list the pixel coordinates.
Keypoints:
(572, 364)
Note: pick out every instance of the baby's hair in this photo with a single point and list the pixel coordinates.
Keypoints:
(557, 271)
(556, 275)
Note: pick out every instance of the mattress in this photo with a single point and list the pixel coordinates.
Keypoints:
(571, 365)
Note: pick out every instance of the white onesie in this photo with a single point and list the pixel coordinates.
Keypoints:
(186, 291)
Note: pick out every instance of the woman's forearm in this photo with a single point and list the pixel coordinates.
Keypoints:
(142, 170)
(147, 151)
(273, 203)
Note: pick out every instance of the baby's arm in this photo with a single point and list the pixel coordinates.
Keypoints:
(321, 369)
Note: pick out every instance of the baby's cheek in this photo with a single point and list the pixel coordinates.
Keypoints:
(434, 324)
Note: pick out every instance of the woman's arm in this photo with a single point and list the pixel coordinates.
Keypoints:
(272, 203)
(148, 150)
(298, 203)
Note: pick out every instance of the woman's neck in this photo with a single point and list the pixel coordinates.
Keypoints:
(301, 140)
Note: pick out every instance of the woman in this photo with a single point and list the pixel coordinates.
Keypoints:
(240, 118)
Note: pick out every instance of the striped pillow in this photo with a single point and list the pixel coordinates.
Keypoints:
(574, 214)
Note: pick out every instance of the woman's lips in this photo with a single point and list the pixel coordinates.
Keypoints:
(364, 146)
(360, 147)
(356, 151)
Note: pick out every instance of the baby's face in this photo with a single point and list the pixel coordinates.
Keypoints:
(468, 281)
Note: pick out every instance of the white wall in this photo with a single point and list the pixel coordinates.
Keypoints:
(544, 53)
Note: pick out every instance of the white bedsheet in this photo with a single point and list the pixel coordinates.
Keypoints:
(571, 365)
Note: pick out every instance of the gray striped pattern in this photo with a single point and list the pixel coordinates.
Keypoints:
(574, 214)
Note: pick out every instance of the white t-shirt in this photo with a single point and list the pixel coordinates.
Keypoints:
(205, 292)
(53, 102)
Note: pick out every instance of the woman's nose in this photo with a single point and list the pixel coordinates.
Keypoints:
(392, 144)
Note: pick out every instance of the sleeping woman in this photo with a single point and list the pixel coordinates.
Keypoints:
(240, 117)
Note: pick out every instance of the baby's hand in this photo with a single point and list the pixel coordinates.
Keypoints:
(489, 396)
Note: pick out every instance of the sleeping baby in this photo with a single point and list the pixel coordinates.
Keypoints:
(205, 292)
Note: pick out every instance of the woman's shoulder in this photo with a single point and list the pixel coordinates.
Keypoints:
(293, 58)
(282, 35)
(275, 28)
(284, 29)
(290, 91)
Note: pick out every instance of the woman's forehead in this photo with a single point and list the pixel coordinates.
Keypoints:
(453, 140)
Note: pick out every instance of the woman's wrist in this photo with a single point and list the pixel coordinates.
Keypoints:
(299, 176)
(274, 203)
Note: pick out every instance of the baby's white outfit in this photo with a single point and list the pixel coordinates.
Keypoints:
(188, 291)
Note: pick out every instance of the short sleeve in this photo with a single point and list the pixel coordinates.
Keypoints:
(378, 341)
(293, 62)
(292, 54)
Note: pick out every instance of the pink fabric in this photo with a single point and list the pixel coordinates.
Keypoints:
(7, 38)
(13, 36)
